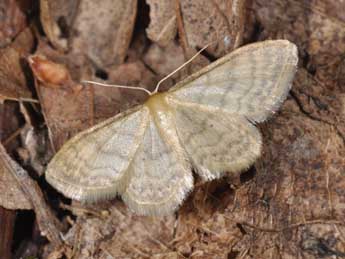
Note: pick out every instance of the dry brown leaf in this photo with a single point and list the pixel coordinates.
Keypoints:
(164, 60)
(66, 112)
(103, 31)
(24, 43)
(12, 76)
(12, 21)
(10, 125)
(56, 18)
(67, 108)
(163, 27)
(11, 195)
(49, 72)
(207, 21)
(52, 74)
(8, 218)
(12, 79)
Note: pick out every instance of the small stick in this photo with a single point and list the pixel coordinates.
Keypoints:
(12, 136)
(21, 99)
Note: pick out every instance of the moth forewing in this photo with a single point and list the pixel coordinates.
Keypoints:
(92, 165)
(250, 81)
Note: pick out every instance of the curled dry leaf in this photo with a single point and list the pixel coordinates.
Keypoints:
(11, 195)
(52, 74)
(12, 76)
(56, 18)
(206, 21)
(163, 27)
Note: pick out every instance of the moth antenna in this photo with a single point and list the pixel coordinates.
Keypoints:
(118, 86)
(163, 79)
(180, 67)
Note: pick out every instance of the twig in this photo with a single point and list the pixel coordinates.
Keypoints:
(292, 226)
(47, 222)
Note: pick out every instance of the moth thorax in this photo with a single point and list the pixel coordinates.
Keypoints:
(161, 111)
(157, 103)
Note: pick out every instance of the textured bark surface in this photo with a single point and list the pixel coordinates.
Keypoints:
(290, 204)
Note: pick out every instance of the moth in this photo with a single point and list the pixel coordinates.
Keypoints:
(206, 122)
